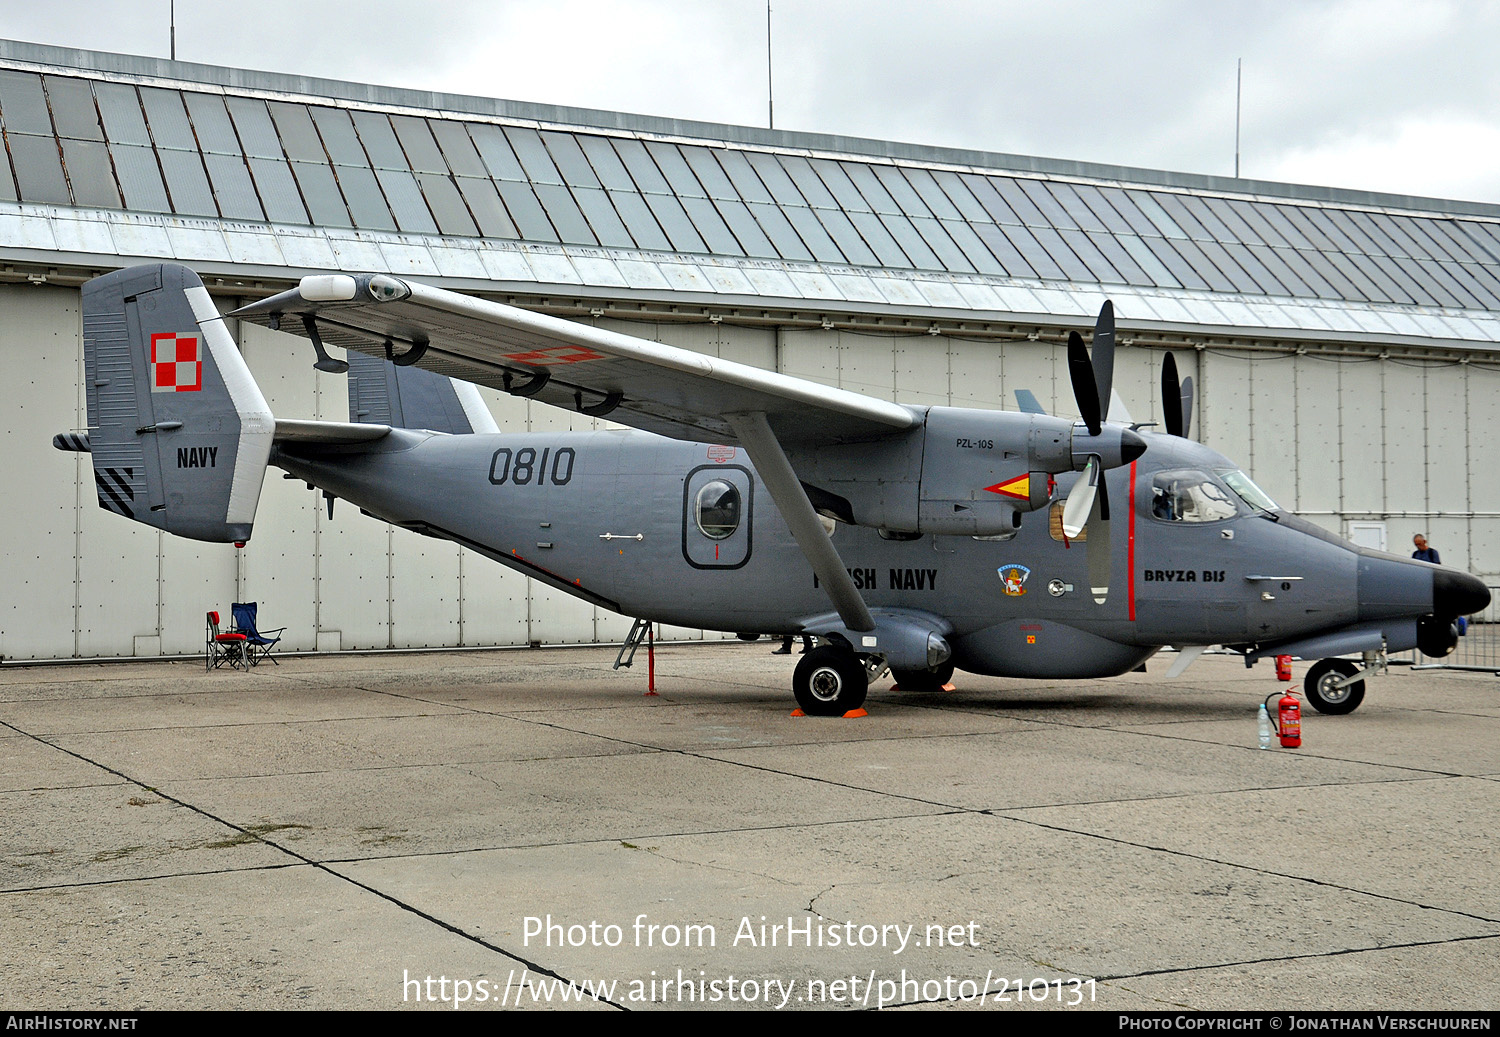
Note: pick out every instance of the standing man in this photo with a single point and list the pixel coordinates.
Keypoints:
(1423, 552)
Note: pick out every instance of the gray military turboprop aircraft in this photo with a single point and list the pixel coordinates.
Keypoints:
(752, 501)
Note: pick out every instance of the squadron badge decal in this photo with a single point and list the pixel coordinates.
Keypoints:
(1014, 578)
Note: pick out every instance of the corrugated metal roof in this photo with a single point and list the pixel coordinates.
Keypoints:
(240, 169)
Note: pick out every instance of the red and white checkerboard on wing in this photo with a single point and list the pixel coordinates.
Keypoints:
(176, 363)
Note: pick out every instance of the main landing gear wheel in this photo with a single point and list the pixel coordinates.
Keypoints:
(829, 682)
(1323, 693)
(923, 680)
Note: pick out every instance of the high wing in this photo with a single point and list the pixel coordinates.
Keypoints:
(659, 388)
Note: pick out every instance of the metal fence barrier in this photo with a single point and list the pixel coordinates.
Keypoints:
(1479, 649)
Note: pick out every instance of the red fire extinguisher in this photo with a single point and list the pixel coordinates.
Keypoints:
(1283, 667)
(1288, 719)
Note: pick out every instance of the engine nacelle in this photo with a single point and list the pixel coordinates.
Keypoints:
(962, 473)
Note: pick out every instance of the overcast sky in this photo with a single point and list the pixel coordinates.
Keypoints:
(1389, 95)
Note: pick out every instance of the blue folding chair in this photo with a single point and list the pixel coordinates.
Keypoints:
(258, 643)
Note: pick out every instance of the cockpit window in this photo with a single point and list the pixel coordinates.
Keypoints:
(717, 510)
(1190, 496)
(1247, 491)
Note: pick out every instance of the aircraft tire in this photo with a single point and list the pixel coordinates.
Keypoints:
(1320, 690)
(923, 680)
(829, 681)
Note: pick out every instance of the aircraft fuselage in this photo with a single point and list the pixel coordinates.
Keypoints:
(612, 517)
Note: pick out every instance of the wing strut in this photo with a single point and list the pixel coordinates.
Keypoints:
(755, 434)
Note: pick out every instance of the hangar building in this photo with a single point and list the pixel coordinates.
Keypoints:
(1345, 345)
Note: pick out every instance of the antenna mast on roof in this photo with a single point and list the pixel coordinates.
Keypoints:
(770, 95)
(1238, 63)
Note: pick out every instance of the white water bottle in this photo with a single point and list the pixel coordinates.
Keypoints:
(1264, 720)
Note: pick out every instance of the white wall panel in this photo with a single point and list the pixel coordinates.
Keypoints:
(542, 417)
(1224, 389)
(510, 411)
(921, 371)
(353, 565)
(867, 364)
(1272, 419)
(117, 584)
(39, 396)
(280, 565)
(611, 627)
(1316, 436)
(1450, 535)
(1138, 381)
(196, 578)
(1484, 550)
(1403, 429)
(813, 355)
(753, 346)
(493, 605)
(558, 618)
(974, 375)
(1361, 444)
(1484, 440)
(424, 591)
(1447, 471)
(1035, 366)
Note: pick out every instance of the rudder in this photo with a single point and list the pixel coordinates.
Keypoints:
(179, 432)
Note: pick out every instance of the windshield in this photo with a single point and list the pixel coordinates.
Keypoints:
(1247, 491)
(1190, 496)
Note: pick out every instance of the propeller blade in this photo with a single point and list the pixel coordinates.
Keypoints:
(1079, 506)
(1085, 387)
(1102, 350)
(1098, 545)
(1171, 397)
(1187, 407)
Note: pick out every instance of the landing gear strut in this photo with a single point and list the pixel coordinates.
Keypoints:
(829, 681)
(1331, 688)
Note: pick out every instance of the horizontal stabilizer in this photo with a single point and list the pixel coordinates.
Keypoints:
(328, 432)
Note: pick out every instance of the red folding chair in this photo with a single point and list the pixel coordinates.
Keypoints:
(225, 648)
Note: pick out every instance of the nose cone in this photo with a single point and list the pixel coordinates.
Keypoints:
(1131, 446)
(1457, 593)
(1393, 588)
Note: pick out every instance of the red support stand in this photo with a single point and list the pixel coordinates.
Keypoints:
(651, 659)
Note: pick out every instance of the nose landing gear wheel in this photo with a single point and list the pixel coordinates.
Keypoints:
(1325, 696)
(829, 681)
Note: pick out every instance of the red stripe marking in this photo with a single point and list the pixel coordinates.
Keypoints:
(1130, 549)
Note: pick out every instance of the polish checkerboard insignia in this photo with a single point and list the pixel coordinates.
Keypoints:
(176, 363)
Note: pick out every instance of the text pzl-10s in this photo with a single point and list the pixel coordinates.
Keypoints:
(913, 538)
